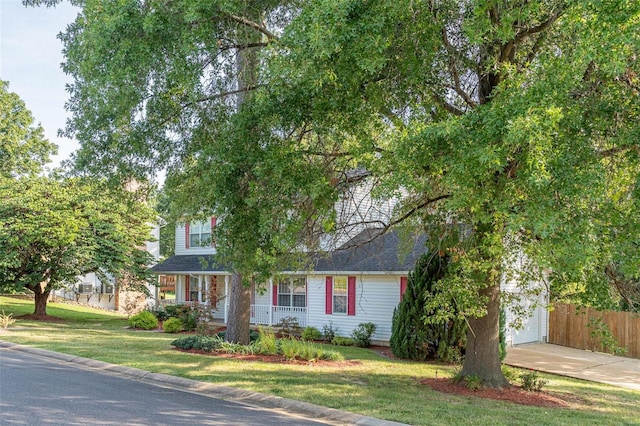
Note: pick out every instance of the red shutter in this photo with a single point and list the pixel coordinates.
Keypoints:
(328, 300)
(403, 286)
(274, 295)
(187, 235)
(187, 289)
(351, 296)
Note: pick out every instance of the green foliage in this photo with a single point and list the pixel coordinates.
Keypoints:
(23, 147)
(144, 320)
(172, 325)
(203, 343)
(413, 336)
(159, 312)
(329, 332)
(6, 320)
(343, 341)
(506, 129)
(599, 330)
(363, 333)
(288, 326)
(473, 382)
(531, 382)
(311, 333)
(83, 227)
(299, 349)
(267, 342)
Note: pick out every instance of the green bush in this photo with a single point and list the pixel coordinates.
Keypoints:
(362, 334)
(300, 349)
(531, 382)
(144, 320)
(311, 333)
(436, 337)
(203, 343)
(159, 313)
(267, 343)
(172, 325)
(343, 341)
(329, 332)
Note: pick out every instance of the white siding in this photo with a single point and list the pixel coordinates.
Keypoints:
(376, 298)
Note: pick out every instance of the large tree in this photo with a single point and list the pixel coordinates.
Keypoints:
(52, 231)
(23, 147)
(515, 120)
(159, 86)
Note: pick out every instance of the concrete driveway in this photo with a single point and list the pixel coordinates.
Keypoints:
(578, 363)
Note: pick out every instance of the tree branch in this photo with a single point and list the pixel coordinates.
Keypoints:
(248, 23)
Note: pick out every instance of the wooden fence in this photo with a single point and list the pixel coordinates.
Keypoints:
(582, 328)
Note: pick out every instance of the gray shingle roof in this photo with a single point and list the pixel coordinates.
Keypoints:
(369, 251)
(189, 263)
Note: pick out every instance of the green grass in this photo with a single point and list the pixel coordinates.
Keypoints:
(376, 387)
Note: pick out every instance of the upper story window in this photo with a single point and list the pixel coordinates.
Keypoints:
(292, 291)
(199, 234)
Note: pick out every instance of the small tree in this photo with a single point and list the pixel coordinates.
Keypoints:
(412, 336)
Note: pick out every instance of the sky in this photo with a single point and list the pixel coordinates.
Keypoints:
(30, 58)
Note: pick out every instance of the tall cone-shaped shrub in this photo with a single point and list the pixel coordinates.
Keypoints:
(412, 337)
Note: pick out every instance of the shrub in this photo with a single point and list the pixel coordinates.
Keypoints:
(413, 337)
(6, 320)
(288, 326)
(267, 343)
(311, 333)
(329, 332)
(362, 334)
(343, 341)
(203, 343)
(531, 382)
(300, 349)
(144, 320)
(159, 312)
(473, 382)
(172, 325)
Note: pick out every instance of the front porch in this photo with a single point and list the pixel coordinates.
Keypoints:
(211, 292)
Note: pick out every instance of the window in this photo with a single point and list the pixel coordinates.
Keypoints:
(199, 234)
(292, 291)
(340, 295)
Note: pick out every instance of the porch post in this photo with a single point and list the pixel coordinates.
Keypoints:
(226, 298)
(200, 288)
(270, 301)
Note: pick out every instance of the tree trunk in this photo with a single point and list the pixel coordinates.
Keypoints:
(41, 294)
(482, 356)
(239, 311)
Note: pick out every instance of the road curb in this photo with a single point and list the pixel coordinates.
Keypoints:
(209, 389)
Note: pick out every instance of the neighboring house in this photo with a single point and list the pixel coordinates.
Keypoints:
(90, 290)
(361, 281)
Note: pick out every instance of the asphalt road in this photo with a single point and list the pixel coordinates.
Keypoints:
(38, 391)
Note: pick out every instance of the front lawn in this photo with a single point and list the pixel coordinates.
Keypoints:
(377, 386)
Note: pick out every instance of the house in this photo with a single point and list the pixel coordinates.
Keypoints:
(362, 280)
(89, 289)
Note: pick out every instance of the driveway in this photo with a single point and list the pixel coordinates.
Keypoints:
(578, 363)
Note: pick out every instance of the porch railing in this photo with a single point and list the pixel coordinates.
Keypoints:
(272, 315)
(260, 314)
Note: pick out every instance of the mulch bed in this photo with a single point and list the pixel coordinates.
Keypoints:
(513, 394)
